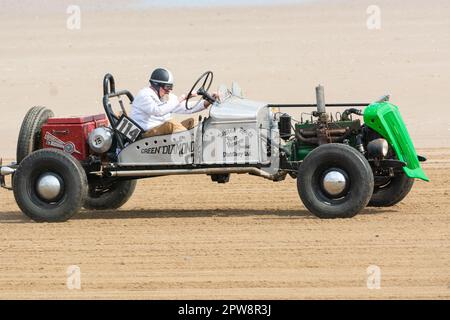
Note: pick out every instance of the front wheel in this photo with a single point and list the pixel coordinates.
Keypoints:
(335, 181)
(390, 191)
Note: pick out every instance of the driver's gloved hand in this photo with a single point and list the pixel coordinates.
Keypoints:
(215, 95)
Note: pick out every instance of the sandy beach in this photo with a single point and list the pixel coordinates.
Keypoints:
(232, 241)
(277, 54)
(193, 245)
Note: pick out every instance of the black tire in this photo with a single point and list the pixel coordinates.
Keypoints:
(391, 191)
(349, 163)
(68, 172)
(112, 197)
(30, 132)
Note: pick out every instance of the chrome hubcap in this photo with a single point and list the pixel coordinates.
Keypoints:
(48, 186)
(334, 183)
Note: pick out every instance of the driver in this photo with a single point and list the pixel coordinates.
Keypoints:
(153, 106)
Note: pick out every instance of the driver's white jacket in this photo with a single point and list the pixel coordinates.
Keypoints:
(149, 111)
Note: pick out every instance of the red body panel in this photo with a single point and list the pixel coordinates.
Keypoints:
(71, 134)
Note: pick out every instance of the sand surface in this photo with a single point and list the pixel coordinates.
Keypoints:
(250, 238)
(277, 54)
(186, 237)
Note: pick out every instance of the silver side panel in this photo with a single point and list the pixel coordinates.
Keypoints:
(176, 149)
(236, 133)
(231, 143)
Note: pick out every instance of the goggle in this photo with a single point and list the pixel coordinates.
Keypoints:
(167, 87)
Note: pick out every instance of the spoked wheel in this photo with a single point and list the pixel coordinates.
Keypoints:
(29, 136)
(389, 191)
(50, 185)
(112, 196)
(335, 181)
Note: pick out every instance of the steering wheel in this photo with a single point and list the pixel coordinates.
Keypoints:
(202, 91)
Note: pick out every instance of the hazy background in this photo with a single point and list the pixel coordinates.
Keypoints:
(277, 52)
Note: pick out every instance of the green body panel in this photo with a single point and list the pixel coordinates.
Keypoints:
(385, 118)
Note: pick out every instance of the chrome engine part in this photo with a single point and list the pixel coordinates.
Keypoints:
(100, 140)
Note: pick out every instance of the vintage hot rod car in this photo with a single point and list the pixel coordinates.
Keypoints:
(342, 162)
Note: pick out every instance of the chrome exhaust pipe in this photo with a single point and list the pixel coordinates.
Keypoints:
(153, 173)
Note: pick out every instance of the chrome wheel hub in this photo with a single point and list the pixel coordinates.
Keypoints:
(334, 182)
(49, 186)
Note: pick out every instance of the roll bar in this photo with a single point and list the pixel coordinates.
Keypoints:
(109, 85)
(109, 91)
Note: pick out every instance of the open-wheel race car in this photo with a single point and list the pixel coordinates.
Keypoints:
(342, 162)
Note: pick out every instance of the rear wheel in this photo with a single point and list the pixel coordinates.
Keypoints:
(390, 190)
(50, 185)
(111, 197)
(30, 132)
(335, 181)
